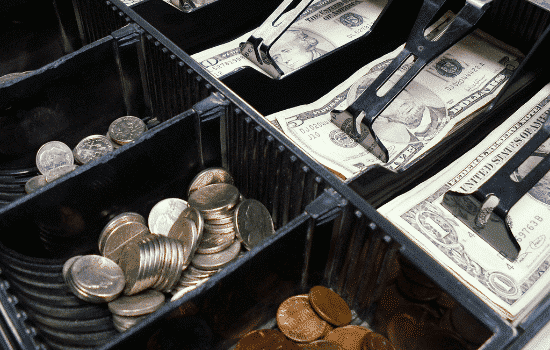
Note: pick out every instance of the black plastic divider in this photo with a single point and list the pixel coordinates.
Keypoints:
(97, 19)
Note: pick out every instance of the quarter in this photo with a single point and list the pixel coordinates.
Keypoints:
(97, 276)
(217, 260)
(253, 223)
(214, 198)
(122, 235)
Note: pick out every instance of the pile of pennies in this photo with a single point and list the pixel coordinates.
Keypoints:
(181, 245)
(55, 159)
(317, 320)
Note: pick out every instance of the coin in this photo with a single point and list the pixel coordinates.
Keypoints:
(67, 265)
(376, 341)
(297, 320)
(214, 243)
(139, 304)
(196, 217)
(179, 292)
(126, 129)
(349, 337)
(217, 260)
(330, 306)
(164, 214)
(91, 148)
(122, 235)
(53, 154)
(115, 222)
(213, 199)
(113, 143)
(253, 223)
(322, 345)
(209, 176)
(221, 228)
(123, 323)
(34, 183)
(97, 276)
(130, 263)
(265, 339)
(184, 230)
(58, 172)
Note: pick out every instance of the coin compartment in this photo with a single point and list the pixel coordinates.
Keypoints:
(35, 33)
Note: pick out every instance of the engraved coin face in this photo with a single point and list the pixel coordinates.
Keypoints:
(52, 155)
(122, 235)
(253, 223)
(34, 183)
(330, 306)
(297, 320)
(164, 214)
(58, 172)
(209, 176)
(126, 129)
(137, 305)
(98, 276)
(92, 148)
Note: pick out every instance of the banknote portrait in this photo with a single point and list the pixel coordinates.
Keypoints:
(541, 191)
(298, 46)
(416, 114)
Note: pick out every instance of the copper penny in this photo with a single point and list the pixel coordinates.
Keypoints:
(299, 322)
(265, 339)
(376, 341)
(321, 345)
(349, 337)
(330, 306)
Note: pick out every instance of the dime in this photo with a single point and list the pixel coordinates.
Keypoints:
(208, 177)
(349, 337)
(34, 183)
(113, 143)
(58, 172)
(213, 199)
(126, 129)
(253, 223)
(53, 154)
(130, 263)
(92, 148)
(265, 339)
(136, 305)
(217, 260)
(297, 320)
(122, 235)
(97, 276)
(330, 306)
(164, 214)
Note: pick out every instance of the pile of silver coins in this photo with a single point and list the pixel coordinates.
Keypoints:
(55, 159)
(183, 243)
(129, 310)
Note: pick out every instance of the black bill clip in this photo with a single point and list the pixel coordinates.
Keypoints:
(257, 47)
(485, 210)
(190, 5)
(368, 106)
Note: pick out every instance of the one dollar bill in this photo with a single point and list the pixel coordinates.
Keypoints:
(510, 288)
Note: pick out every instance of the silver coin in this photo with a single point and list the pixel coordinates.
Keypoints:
(115, 222)
(139, 304)
(167, 257)
(53, 154)
(164, 214)
(195, 215)
(58, 172)
(34, 183)
(220, 229)
(123, 323)
(222, 220)
(180, 292)
(113, 143)
(98, 276)
(178, 254)
(209, 176)
(126, 129)
(213, 243)
(91, 148)
(120, 236)
(253, 223)
(67, 266)
(130, 263)
(185, 231)
(217, 260)
(215, 198)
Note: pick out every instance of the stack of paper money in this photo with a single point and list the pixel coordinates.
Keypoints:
(512, 289)
(418, 127)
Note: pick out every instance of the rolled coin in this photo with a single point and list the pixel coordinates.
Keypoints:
(330, 306)
(209, 176)
(126, 129)
(164, 214)
(120, 236)
(91, 148)
(253, 223)
(213, 199)
(97, 276)
(299, 322)
(217, 260)
(58, 172)
(34, 183)
(53, 154)
(139, 304)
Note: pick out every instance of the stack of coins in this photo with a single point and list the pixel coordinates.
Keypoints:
(154, 262)
(317, 320)
(119, 231)
(130, 310)
(55, 159)
(93, 278)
